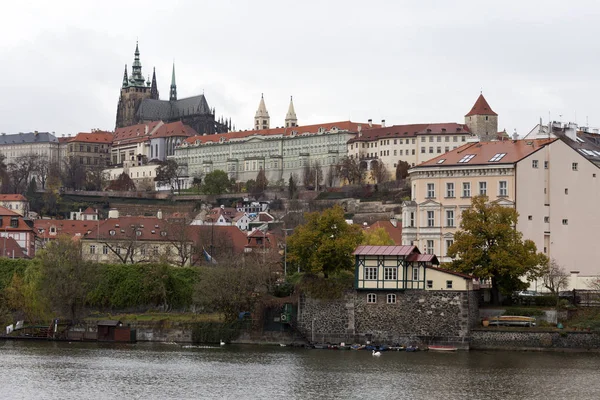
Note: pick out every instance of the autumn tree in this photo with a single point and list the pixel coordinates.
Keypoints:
(379, 172)
(216, 182)
(488, 246)
(377, 237)
(66, 278)
(324, 244)
(402, 170)
(169, 173)
(123, 183)
(348, 169)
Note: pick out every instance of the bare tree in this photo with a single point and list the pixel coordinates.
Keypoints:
(170, 173)
(330, 176)
(555, 277)
(126, 247)
(20, 172)
(379, 172)
(348, 169)
(74, 174)
(42, 170)
(95, 177)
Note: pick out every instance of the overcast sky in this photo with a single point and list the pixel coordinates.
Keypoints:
(62, 62)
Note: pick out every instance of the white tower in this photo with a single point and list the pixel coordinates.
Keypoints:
(261, 118)
(290, 117)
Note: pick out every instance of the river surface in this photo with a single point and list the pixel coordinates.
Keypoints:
(49, 370)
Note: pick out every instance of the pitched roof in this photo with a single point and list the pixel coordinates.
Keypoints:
(395, 232)
(12, 197)
(66, 227)
(30, 137)
(122, 228)
(93, 137)
(385, 250)
(296, 130)
(203, 235)
(415, 257)
(6, 212)
(135, 133)
(12, 249)
(153, 110)
(89, 211)
(487, 153)
(5, 224)
(453, 272)
(411, 130)
(481, 107)
(177, 129)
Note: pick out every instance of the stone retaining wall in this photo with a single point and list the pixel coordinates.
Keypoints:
(416, 314)
(499, 339)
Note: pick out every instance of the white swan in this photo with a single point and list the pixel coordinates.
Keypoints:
(376, 353)
(222, 342)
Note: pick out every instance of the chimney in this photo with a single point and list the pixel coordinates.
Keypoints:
(383, 123)
(394, 222)
(370, 121)
(159, 214)
(515, 135)
(113, 213)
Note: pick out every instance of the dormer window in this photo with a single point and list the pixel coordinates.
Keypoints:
(111, 232)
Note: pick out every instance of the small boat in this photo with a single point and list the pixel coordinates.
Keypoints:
(411, 349)
(442, 348)
(512, 320)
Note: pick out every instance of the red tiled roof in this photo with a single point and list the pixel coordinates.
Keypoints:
(481, 107)
(12, 249)
(384, 250)
(483, 152)
(122, 228)
(67, 227)
(453, 272)
(177, 128)
(296, 130)
(395, 232)
(93, 137)
(89, 210)
(6, 212)
(12, 197)
(135, 133)
(412, 130)
(202, 235)
(414, 257)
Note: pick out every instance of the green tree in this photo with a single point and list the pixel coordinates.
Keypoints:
(216, 182)
(66, 278)
(377, 237)
(169, 173)
(488, 246)
(324, 244)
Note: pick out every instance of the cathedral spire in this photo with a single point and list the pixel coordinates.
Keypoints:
(154, 86)
(125, 79)
(136, 68)
(290, 117)
(173, 94)
(261, 118)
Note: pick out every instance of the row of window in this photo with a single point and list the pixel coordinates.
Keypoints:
(429, 247)
(535, 164)
(466, 189)
(118, 250)
(391, 298)
(446, 139)
(87, 149)
(439, 149)
(449, 219)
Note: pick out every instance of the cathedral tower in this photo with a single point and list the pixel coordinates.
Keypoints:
(290, 117)
(133, 90)
(261, 118)
(173, 92)
(482, 120)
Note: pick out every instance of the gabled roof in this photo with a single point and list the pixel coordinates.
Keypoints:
(12, 197)
(487, 153)
(66, 227)
(12, 249)
(202, 235)
(7, 217)
(135, 133)
(384, 250)
(153, 110)
(411, 130)
(89, 211)
(430, 258)
(395, 232)
(174, 129)
(93, 137)
(453, 272)
(481, 107)
(345, 126)
(131, 228)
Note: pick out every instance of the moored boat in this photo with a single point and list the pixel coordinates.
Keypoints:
(512, 320)
(442, 348)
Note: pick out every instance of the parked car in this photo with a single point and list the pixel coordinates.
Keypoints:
(527, 293)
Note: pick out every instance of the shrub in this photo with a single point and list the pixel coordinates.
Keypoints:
(528, 312)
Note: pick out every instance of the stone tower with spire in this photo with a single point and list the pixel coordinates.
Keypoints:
(173, 91)
(290, 117)
(133, 90)
(482, 120)
(261, 118)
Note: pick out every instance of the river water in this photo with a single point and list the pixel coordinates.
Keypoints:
(50, 370)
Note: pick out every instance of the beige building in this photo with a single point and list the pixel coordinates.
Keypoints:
(553, 183)
(90, 149)
(15, 202)
(42, 144)
(391, 268)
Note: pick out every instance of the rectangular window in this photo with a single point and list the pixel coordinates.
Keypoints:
(431, 150)
(450, 218)
(534, 163)
(483, 188)
(545, 164)
(574, 166)
(431, 190)
(439, 150)
(391, 299)
(430, 247)
(448, 284)
(395, 152)
(447, 139)
(371, 273)
(390, 273)
(413, 152)
(430, 218)
(502, 188)
(565, 222)
(431, 138)
(546, 219)
(371, 298)
(449, 243)
(412, 219)
(429, 284)
(422, 150)
(422, 138)
(92, 249)
(105, 249)
(466, 189)
(415, 274)
(450, 189)
(155, 250)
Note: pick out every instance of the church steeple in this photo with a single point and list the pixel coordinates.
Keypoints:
(136, 69)
(173, 93)
(261, 118)
(125, 79)
(290, 117)
(154, 86)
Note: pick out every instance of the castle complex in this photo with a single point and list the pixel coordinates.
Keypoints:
(139, 102)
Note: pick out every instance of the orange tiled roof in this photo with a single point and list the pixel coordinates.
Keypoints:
(296, 130)
(488, 153)
(481, 107)
(411, 130)
(93, 137)
(12, 197)
(395, 232)
(135, 133)
(67, 227)
(176, 128)
(6, 212)
(12, 249)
